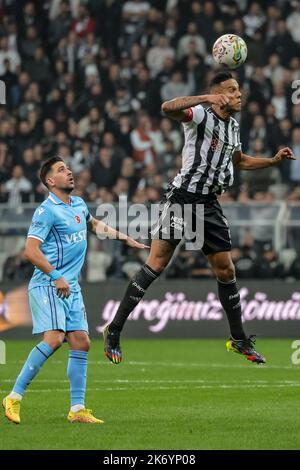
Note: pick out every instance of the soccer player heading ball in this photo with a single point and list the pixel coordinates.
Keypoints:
(212, 147)
(56, 245)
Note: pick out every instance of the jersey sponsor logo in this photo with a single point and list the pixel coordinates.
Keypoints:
(215, 144)
(41, 210)
(36, 223)
(235, 296)
(135, 284)
(77, 218)
(76, 237)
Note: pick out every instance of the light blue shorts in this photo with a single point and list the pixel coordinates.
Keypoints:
(49, 312)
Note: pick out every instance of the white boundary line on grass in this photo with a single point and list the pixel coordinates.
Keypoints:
(168, 381)
(176, 364)
(124, 389)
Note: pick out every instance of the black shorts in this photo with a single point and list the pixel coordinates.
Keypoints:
(198, 219)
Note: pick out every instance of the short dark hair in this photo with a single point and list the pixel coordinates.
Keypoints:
(220, 77)
(46, 167)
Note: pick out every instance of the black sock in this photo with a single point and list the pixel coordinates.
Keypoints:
(134, 293)
(230, 299)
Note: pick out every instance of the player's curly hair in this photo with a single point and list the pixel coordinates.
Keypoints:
(46, 167)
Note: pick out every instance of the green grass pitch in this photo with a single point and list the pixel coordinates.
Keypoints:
(167, 394)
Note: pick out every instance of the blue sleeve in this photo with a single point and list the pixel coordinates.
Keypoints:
(41, 223)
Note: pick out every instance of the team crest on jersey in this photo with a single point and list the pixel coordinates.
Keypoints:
(77, 218)
(215, 144)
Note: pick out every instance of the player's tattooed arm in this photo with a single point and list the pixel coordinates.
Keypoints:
(102, 230)
(246, 162)
(179, 108)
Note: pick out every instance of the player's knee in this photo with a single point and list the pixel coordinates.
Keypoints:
(225, 273)
(85, 344)
(81, 344)
(158, 264)
(55, 343)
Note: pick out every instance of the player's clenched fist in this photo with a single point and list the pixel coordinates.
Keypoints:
(219, 100)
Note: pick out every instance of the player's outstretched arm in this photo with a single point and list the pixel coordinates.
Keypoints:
(97, 227)
(179, 109)
(34, 254)
(246, 162)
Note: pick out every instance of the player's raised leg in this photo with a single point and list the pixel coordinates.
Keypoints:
(160, 254)
(229, 296)
(52, 340)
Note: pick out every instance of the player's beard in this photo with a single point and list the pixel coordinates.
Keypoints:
(67, 189)
(232, 111)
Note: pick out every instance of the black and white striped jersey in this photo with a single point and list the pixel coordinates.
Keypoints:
(210, 142)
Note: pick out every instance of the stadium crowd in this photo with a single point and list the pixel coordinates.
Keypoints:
(85, 80)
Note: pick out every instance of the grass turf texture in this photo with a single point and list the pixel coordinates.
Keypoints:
(167, 394)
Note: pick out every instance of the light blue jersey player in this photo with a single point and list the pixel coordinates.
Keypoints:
(62, 230)
(56, 245)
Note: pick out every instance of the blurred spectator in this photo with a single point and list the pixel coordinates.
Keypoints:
(177, 87)
(293, 22)
(7, 54)
(18, 188)
(30, 43)
(268, 266)
(83, 158)
(84, 24)
(134, 15)
(60, 21)
(193, 37)
(157, 55)
(181, 265)
(143, 149)
(200, 268)
(254, 19)
(6, 161)
(244, 262)
(263, 214)
(279, 101)
(11, 81)
(105, 170)
(17, 267)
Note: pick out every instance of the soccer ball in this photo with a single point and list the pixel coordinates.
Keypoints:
(230, 50)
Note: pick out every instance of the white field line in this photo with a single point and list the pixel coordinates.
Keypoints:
(195, 387)
(176, 364)
(191, 384)
(169, 381)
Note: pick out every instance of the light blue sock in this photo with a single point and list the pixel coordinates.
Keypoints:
(77, 372)
(35, 360)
